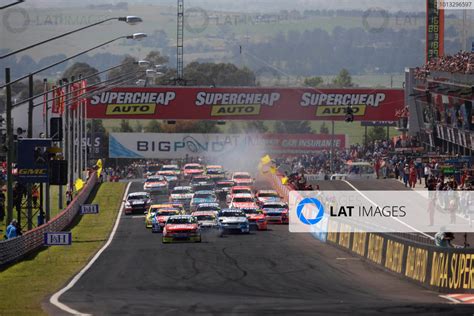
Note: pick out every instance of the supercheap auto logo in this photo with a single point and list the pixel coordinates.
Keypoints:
(335, 104)
(228, 104)
(133, 103)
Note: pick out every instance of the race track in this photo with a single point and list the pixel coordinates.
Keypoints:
(272, 272)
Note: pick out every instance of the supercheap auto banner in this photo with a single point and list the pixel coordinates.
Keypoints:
(179, 146)
(248, 103)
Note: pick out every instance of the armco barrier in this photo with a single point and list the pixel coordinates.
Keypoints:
(14, 249)
(441, 269)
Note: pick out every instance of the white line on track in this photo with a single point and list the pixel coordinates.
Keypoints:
(54, 300)
(396, 219)
(452, 299)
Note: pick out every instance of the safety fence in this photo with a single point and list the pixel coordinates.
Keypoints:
(418, 260)
(15, 248)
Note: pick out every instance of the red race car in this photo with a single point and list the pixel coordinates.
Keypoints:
(275, 212)
(238, 190)
(242, 200)
(242, 178)
(192, 169)
(264, 196)
(181, 228)
(256, 218)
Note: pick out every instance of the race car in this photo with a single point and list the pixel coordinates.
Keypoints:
(263, 196)
(156, 207)
(203, 186)
(171, 174)
(242, 178)
(200, 179)
(256, 218)
(192, 169)
(181, 195)
(242, 200)
(137, 202)
(207, 219)
(215, 172)
(156, 185)
(161, 216)
(181, 228)
(275, 212)
(223, 188)
(238, 190)
(202, 197)
(208, 207)
(232, 220)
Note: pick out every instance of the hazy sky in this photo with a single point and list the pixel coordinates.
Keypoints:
(255, 5)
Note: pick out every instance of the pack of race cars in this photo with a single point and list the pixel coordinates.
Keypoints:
(204, 198)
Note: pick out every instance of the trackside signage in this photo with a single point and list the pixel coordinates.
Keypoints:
(245, 103)
(381, 211)
(177, 146)
(58, 239)
(89, 209)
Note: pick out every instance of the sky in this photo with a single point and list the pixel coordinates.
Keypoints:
(252, 5)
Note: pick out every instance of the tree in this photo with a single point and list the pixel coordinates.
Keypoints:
(191, 127)
(293, 127)
(128, 68)
(84, 70)
(256, 127)
(313, 82)
(125, 127)
(153, 126)
(324, 129)
(343, 79)
(377, 133)
(234, 128)
(210, 74)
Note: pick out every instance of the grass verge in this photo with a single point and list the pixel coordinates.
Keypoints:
(25, 284)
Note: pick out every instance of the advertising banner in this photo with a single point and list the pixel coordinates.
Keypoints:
(180, 146)
(245, 103)
(33, 162)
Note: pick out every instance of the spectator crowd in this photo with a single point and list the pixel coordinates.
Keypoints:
(462, 62)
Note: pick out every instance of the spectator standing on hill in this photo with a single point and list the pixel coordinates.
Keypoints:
(12, 230)
(427, 174)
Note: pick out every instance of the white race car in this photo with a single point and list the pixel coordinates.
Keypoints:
(156, 185)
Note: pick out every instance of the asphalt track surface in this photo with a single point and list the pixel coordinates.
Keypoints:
(269, 272)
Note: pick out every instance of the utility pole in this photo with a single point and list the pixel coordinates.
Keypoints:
(30, 135)
(9, 146)
(180, 44)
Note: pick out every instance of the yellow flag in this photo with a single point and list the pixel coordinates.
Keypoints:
(99, 167)
(284, 180)
(273, 169)
(266, 159)
(79, 184)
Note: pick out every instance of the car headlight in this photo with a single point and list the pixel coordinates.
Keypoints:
(127, 205)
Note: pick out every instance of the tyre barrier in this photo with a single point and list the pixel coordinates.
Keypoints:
(12, 250)
(440, 269)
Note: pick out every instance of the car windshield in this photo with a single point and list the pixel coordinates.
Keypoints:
(273, 206)
(232, 214)
(241, 176)
(193, 167)
(205, 217)
(241, 191)
(214, 171)
(154, 179)
(167, 213)
(269, 194)
(204, 187)
(181, 191)
(250, 211)
(224, 185)
(182, 220)
(208, 208)
(203, 196)
(243, 199)
(137, 197)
